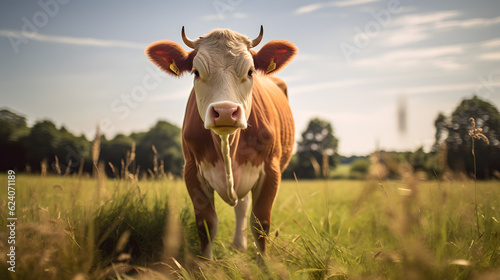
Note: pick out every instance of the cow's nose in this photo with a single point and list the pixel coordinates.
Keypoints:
(226, 114)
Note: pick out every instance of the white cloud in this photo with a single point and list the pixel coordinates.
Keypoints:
(468, 23)
(491, 43)
(346, 3)
(425, 18)
(316, 6)
(413, 28)
(410, 35)
(309, 8)
(178, 95)
(223, 16)
(409, 29)
(419, 90)
(465, 87)
(94, 42)
(342, 84)
(326, 85)
(387, 91)
(309, 57)
(240, 15)
(490, 56)
(443, 57)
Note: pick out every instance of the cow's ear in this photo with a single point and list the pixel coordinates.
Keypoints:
(274, 55)
(170, 57)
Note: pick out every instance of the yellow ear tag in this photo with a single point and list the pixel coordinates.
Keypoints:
(174, 68)
(271, 66)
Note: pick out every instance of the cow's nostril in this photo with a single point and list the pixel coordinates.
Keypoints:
(215, 114)
(236, 113)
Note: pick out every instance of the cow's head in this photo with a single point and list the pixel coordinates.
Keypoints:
(223, 66)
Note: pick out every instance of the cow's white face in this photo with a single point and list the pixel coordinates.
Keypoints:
(223, 70)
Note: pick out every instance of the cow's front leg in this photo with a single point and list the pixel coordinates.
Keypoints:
(241, 213)
(207, 222)
(263, 199)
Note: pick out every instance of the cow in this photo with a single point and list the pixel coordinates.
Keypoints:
(238, 130)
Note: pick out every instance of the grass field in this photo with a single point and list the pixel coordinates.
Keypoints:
(77, 228)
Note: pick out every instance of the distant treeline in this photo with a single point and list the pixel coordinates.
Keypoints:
(27, 149)
(473, 125)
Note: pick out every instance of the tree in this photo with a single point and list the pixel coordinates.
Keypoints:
(318, 143)
(45, 142)
(454, 133)
(41, 143)
(166, 138)
(13, 131)
(114, 152)
(359, 169)
(12, 126)
(21, 145)
(441, 124)
(71, 149)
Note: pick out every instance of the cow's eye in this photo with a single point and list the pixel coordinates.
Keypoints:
(196, 73)
(250, 73)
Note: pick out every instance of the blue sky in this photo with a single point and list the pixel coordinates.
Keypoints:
(81, 63)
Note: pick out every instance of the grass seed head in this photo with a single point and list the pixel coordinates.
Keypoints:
(477, 132)
(96, 146)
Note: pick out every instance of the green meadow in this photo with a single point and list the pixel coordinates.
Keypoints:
(97, 228)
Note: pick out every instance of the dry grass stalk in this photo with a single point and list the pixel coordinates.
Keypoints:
(68, 168)
(162, 169)
(96, 148)
(132, 153)
(136, 175)
(43, 167)
(101, 178)
(112, 168)
(129, 164)
(443, 155)
(326, 165)
(377, 169)
(80, 169)
(476, 133)
(123, 241)
(405, 219)
(151, 173)
(316, 166)
(172, 233)
(56, 166)
(122, 168)
(155, 160)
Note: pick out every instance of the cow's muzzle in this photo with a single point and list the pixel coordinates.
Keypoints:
(225, 117)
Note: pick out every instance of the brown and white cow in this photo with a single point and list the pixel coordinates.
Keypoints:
(238, 131)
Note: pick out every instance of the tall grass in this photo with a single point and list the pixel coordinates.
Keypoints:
(405, 229)
(476, 133)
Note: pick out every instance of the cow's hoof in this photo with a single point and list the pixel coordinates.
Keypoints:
(240, 246)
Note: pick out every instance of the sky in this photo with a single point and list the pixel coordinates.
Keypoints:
(81, 63)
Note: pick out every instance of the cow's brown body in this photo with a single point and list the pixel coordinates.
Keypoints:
(268, 140)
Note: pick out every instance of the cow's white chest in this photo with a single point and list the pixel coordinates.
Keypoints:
(245, 176)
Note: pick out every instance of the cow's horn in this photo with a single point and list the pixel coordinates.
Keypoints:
(257, 40)
(186, 40)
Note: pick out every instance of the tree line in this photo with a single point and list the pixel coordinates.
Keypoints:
(24, 148)
(451, 153)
